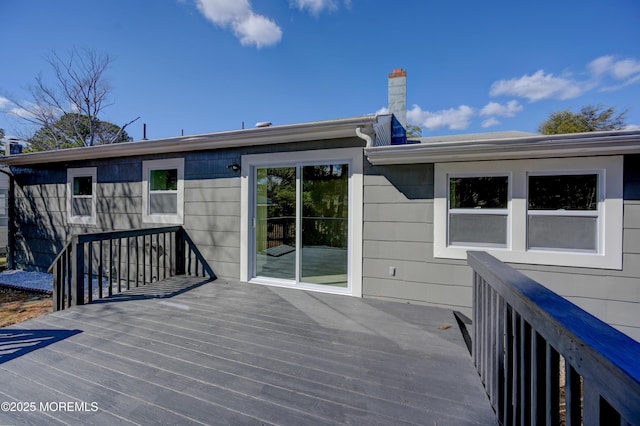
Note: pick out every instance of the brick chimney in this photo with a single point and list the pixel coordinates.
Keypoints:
(398, 95)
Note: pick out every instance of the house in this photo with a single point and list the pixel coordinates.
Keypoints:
(349, 207)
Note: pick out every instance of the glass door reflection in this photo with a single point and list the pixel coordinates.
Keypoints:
(276, 222)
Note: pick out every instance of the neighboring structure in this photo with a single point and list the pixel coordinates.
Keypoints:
(347, 206)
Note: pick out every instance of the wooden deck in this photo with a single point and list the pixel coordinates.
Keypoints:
(233, 353)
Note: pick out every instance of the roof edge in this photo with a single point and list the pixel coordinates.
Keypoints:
(537, 146)
(301, 132)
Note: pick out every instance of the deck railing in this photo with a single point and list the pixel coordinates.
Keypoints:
(101, 264)
(524, 333)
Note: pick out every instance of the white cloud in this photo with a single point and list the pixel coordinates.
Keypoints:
(452, 118)
(258, 30)
(4, 103)
(249, 27)
(507, 110)
(315, 7)
(623, 71)
(383, 110)
(490, 122)
(618, 69)
(538, 86)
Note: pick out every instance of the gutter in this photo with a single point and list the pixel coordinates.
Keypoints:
(331, 129)
(539, 146)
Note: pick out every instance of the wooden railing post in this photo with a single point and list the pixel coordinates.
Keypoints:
(179, 258)
(58, 282)
(77, 268)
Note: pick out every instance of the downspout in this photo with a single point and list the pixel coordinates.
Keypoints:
(364, 136)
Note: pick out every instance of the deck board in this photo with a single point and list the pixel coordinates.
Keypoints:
(233, 353)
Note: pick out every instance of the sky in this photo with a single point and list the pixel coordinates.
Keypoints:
(201, 66)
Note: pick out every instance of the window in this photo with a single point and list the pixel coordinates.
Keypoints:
(478, 213)
(163, 191)
(4, 207)
(565, 212)
(81, 196)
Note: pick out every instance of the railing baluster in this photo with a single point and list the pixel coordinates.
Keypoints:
(508, 370)
(110, 291)
(189, 260)
(144, 260)
(538, 386)
(525, 372)
(500, 357)
(476, 318)
(591, 405)
(90, 266)
(164, 255)
(515, 325)
(128, 266)
(552, 386)
(157, 257)
(72, 249)
(100, 270)
(572, 395)
(119, 265)
(137, 261)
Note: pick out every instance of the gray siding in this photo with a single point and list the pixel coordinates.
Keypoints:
(398, 233)
(211, 203)
(398, 206)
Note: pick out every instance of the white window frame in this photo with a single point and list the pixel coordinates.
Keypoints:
(164, 164)
(610, 210)
(71, 175)
(352, 156)
(498, 212)
(571, 213)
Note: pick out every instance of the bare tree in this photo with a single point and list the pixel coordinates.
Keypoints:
(80, 94)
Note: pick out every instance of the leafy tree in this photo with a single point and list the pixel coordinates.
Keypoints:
(1, 133)
(414, 131)
(67, 112)
(591, 118)
(72, 130)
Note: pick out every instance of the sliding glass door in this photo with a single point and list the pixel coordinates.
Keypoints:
(302, 224)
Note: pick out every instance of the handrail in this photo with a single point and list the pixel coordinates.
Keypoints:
(164, 252)
(521, 332)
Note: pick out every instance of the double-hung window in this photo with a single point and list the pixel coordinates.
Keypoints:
(478, 210)
(565, 212)
(163, 191)
(81, 196)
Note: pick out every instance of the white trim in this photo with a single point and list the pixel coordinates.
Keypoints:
(71, 175)
(354, 157)
(169, 163)
(590, 144)
(301, 132)
(610, 208)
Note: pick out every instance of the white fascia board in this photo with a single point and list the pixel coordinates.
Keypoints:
(304, 132)
(543, 146)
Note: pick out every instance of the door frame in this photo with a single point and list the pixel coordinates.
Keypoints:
(354, 156)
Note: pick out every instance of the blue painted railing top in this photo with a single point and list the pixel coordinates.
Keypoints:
(600, 353)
